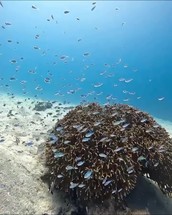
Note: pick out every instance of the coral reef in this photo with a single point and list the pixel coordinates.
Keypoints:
(97, 152)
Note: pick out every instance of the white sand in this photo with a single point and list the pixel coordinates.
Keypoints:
(21, 190)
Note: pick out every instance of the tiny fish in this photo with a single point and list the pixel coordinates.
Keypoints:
(118, 122)
(53, 139)
(78, 158)
(156, 125)
(7, 23)
(81, 185)
(58, 154)
(60, 176)
(107, 182)
(66, 11)
(13, 61)
(114, 191)
(161, 98)
(59, 128)
(12, 79)
(36, 47)
(97, 123)
(93, 8)
(126, 125)
(103, 139)
(69, 167)
(129, 80)
(141, 158)
(156, 164)
(33, 7)
(130, 170)
(52, 16)
(102, 155)
(119, 149)
(134, 149)
(86, 139)
(29, 143)
(1, 4)
(86, 54)
(98, 85)
(67, 142)
(89, 134)
(73, 185)
(80, 163)
(143, 120)
(88, 174)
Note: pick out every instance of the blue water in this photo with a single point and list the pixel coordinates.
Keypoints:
(126, 41)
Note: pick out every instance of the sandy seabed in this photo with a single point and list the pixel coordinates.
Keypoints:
(23, 132)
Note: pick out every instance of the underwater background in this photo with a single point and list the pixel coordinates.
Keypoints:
(85, 51)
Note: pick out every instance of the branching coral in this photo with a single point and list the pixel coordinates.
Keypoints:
(99, 152)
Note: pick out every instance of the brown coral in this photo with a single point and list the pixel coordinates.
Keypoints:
(99, 152)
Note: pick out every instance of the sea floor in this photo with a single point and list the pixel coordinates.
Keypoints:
(24, 127)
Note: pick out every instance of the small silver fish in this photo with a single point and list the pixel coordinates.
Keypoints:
(143, 120)
(102, 155)
(58, 154)
(119, 149)
(134, 149)
(130, 170)
(67, 142)
(60, 128)
(97, 123)
(103, 139)
(88, 174)
(141, 158)
(73, 185)
(86, 139)
(107, 182)
(69, 167)
(89, 134)
(80, 163)
(81, 185)
(126, 125)
(118, 122)
(60, 176)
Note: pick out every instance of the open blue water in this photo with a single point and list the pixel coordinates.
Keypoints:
(104, 51)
